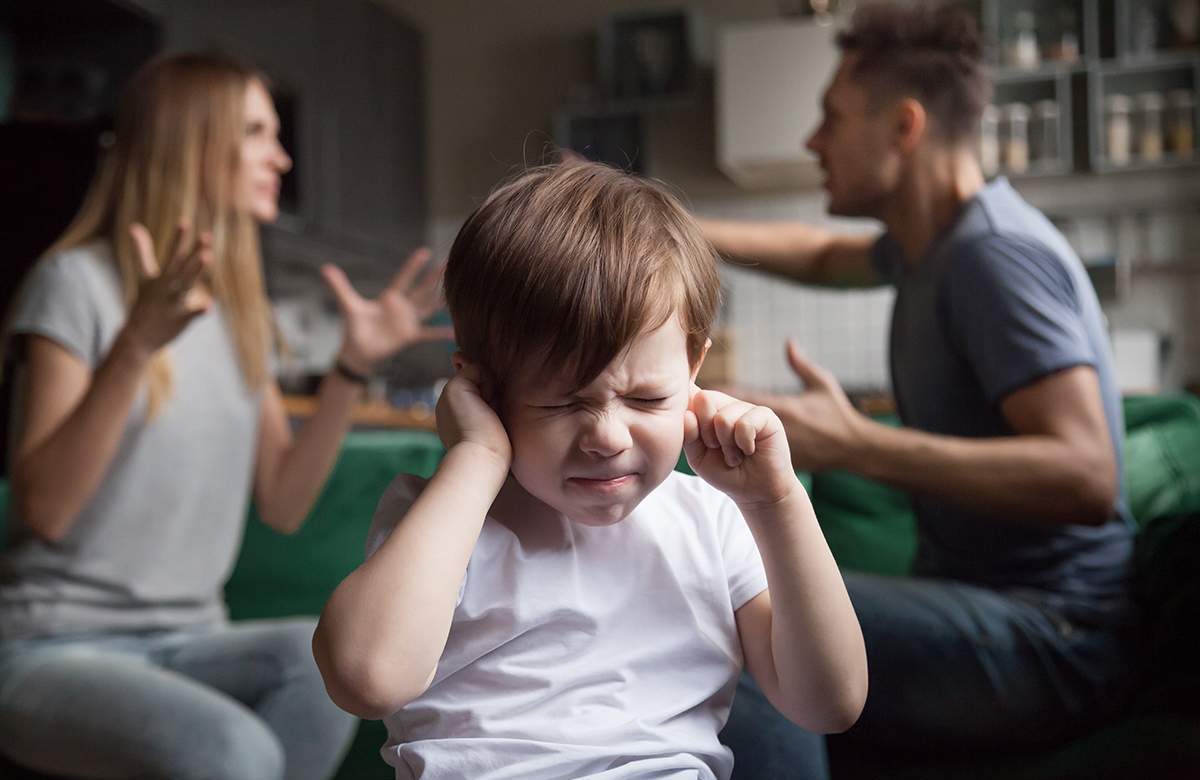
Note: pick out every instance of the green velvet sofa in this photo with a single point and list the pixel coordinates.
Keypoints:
(869, 527)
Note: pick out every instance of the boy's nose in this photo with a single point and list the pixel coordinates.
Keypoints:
(605, 435)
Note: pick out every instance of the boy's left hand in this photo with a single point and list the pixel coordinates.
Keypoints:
(738, 448)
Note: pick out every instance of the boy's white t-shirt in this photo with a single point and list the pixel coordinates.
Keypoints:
(586, 652)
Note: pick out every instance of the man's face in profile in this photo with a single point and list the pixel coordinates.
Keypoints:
(852, 144)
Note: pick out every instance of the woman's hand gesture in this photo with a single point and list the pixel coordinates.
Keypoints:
(169, 295)
(376, 329)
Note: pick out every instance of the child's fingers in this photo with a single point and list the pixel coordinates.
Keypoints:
(723, 423)
(470, 372)
(691, 428)
(693, 446)
(749, 426)
(704, 407)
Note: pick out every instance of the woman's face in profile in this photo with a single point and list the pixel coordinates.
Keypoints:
(263, 160)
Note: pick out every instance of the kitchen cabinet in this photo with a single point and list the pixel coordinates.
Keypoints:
(769, 80)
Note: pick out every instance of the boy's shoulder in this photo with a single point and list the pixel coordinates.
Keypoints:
(399, 495)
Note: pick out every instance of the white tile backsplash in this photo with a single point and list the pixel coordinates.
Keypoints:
(846, 332)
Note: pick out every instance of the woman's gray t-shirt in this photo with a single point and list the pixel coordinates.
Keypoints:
(155, 544)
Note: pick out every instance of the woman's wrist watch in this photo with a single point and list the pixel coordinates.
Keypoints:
(350, 374)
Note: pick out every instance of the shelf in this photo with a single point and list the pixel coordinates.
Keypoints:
(1050, 72)
(1167, 164)
(1166, 267)
(1039, 172)
(1149, 64)
(375, 414)
(1080, 88)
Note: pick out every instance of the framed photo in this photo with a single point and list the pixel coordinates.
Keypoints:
(613, 137)
(647, 56)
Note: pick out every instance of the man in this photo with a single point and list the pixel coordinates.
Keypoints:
(1014, 630)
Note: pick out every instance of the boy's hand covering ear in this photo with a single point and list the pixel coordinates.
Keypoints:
(738, 448)
(464, 415)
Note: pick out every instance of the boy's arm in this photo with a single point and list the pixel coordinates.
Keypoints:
(800, 638)
(383, 630)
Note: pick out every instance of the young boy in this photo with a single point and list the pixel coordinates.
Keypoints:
(555, 602)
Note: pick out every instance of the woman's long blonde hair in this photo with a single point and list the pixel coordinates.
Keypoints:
(175, 157)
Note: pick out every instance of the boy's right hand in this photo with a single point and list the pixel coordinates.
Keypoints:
(168, 296)
(465, 417)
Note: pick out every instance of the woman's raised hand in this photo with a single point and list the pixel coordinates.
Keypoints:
(376, 329)
(168, 295)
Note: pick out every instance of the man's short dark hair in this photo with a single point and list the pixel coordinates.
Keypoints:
(928, 51)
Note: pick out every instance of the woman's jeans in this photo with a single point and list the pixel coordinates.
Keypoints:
(221, 703)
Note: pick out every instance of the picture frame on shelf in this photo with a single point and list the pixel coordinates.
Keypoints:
(648, 56)
(613, 137)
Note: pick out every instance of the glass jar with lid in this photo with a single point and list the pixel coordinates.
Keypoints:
(1015, 135)
(1181, 123)
(1118, 129)
(989, 140)
(1150, 126)
(1022, 48)
(1043, 134)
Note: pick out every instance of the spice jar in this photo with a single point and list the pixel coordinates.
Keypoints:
(1043, 133)
(1118, 130)
(1016, 137)
(1065, 47)
(989, 140)
(1150, 126)
(1181, 122)
(1022, 49)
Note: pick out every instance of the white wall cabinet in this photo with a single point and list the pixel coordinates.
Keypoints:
(769, 80)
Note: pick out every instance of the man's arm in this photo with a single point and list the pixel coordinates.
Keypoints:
(801, 253)
(1058, 467)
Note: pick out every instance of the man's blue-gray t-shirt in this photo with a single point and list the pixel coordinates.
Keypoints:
(999, 301)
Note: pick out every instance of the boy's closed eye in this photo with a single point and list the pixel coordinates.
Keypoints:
(647, 400)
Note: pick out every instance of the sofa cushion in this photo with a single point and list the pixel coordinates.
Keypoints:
(301, 570)
(1162, 455)
(869, 526)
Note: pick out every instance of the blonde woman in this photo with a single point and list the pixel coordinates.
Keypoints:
(145, 418)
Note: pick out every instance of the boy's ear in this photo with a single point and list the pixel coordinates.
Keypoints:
(700, 360)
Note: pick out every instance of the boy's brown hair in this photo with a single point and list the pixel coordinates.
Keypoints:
(930, 50)
(560, 269)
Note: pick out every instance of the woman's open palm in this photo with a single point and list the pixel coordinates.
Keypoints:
(377, 328)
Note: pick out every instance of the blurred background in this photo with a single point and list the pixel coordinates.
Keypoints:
(402, 115)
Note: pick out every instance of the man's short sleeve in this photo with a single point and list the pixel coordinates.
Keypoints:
(56, 302)
(887, 258)
(1014, 314)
